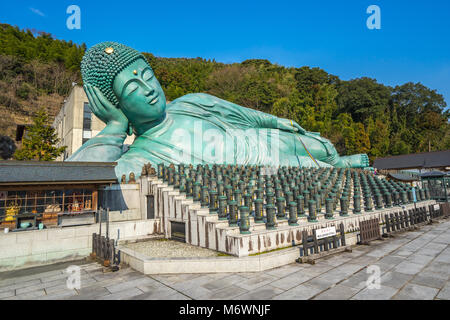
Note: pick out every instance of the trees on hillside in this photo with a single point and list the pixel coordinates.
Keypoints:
(358, 116)
(39, 143)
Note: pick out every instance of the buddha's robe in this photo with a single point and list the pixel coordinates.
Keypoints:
(200, 128)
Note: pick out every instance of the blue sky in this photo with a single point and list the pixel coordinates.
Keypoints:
(412, 44)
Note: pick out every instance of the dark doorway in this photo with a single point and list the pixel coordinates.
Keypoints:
(178, 231)
(150, 207)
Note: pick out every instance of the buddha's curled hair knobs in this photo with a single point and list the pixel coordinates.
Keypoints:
(102, 62)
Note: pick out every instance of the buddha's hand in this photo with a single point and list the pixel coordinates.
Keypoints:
(289, 125)
(105, 110)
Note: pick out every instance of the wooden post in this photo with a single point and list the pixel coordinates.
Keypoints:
(388, 223)
(305, 242)
(316, 247)
(94, 200)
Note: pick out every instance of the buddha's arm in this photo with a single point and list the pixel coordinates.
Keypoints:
(233, 113)
(260, 119)
(107, 146)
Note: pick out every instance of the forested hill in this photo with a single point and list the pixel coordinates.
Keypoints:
(359, 116)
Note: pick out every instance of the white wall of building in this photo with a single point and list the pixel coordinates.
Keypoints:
(69, 123)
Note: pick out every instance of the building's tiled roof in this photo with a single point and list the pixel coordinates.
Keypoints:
(434, 174)
(402, 177)
(36, 172)
(436, 159)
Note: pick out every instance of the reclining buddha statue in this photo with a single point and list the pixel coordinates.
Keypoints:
(194, 129)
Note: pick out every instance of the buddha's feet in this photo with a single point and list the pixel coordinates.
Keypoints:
(356, 160)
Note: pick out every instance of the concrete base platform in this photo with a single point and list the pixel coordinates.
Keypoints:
(253, 263)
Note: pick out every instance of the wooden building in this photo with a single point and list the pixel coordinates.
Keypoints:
(425, 161)
(36, 195)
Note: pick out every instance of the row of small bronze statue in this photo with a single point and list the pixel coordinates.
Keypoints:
(237, 192)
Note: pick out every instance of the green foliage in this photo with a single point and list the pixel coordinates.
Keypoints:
(23, 44)
(358, 116)
(39, 143)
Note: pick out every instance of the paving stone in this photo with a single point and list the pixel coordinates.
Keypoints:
(354, 254)
(419, 259)
(339, 292)
(249, 275)
(59, 296)
(444, 294)
(129, 284)
(90, 293)
(61, 276)
(102, 283)
(440, 269)
(395, 279)
(158, 294)
(384, 267)
(444, 256)
(301, 292)
(281, 272)
(40, 286)
(122, 295)
(364, 260)
(429, 281)
(224, 282)
(224, 293)
(342, 272)
(321, 282)
(361, 248)
(220, 275)
(151, 286)
(408, 267)
(190, 283)
(176, 278)
(320, 267)
(433, 249)
(291, 281)
(413, 234)
(403, 253)
(442, 239)
(383, 293)
(195, 292)
(336, 260)
(177, 296)
(20, 285)
(391, 260)
(193, 288)
(416, 292)
(256, 282)
(100, 276)
(31, 295)
(262, 293)
(357, 280)
(30, 277)
(7, 294)
(377, 253)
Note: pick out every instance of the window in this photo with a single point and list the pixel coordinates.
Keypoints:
(87, 122)
(87, 117)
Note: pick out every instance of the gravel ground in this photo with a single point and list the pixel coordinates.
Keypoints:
(158, 248)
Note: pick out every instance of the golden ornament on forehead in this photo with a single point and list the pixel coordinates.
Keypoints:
(134, 71)
(109, 50)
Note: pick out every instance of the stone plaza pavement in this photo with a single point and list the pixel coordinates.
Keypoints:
(412, 265)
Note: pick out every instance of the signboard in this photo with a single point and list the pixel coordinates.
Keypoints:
(325, 232)
(436, 207)
(414, 194)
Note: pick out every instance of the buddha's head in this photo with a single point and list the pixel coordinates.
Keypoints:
(126, 79)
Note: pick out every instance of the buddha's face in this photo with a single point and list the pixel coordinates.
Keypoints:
(140, 95)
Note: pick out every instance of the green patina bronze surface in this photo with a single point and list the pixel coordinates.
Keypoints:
(197, 128)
